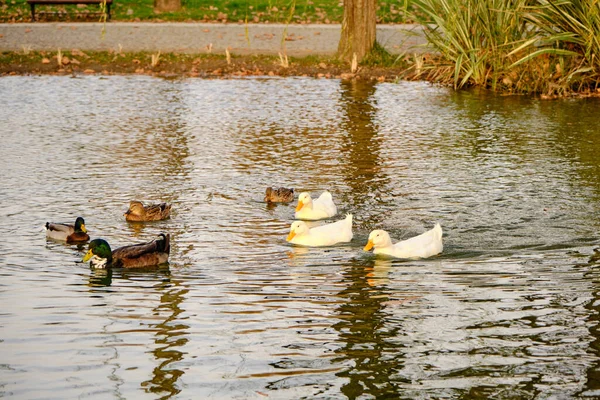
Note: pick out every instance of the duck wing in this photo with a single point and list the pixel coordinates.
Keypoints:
(336, 232)
(325, 202)
(424, 245)
(57, 227)
(143, 254)
(161, 210)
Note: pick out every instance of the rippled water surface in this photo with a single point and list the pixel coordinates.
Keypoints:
(509, 310)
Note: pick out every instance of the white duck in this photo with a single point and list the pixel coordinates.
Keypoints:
(320, 208)
(324, 235)
(425, 245)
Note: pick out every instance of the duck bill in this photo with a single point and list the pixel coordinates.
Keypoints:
(299, 206)
(368, 246)
(290, 236)
(83, 229)
(87, 256)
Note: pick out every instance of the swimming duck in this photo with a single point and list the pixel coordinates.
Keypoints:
(134, 256)
(68, 233)
(425, 245)
(139, 212)
(324, 235)
(281, 195)
(310, 209)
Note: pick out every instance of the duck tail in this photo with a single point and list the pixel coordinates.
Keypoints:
(349, 218)
(438, 230)
(326, 195)
(164, 245)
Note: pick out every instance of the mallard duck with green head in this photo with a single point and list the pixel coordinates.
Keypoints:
(139, 255)
(138, 212)
(68, 233)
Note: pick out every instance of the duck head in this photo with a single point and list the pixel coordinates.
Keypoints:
(135, 207)
(297, 228)
(378, 238)
(304, 200)
(99, 254)
(80, 225)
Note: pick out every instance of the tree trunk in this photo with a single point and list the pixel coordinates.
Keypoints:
(166, 5)
(358, 29)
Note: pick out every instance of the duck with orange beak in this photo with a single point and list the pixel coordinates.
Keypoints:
(320, 208)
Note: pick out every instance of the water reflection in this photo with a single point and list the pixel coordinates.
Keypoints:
(362, 166)
(378, 274)
(509, 308)
(170, 336)
(365, 334)
(100, 277)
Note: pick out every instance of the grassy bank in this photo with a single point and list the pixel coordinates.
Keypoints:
(549, 48)
(263, 11)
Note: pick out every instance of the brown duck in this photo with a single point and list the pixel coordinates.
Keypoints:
(68, 233)
(138, 212)
(134, 256)
(281, 195)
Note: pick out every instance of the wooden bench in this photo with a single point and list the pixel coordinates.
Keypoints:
(32, 4)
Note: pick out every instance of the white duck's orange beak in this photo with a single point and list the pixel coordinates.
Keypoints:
(300, 205)
(368, 246)
(290, 236)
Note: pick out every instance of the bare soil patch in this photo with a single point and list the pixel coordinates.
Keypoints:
(186, 65)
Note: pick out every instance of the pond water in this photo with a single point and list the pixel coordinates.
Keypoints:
(509, 310)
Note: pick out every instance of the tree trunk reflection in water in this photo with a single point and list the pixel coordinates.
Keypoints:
(361, 148)
(368, 340)
(362, 327)
(170, 336)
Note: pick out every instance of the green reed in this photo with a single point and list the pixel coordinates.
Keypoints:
(473, 37)
(526, 46)
(568, 36)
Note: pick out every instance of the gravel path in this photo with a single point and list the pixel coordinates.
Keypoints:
(301, 40)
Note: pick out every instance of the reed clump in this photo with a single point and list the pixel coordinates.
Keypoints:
(546, 47)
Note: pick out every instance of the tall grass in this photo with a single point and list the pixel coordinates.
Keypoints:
(532, 46)
(568, 33)
(474, 37)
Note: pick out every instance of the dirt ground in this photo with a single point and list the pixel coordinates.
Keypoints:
(173, 66)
